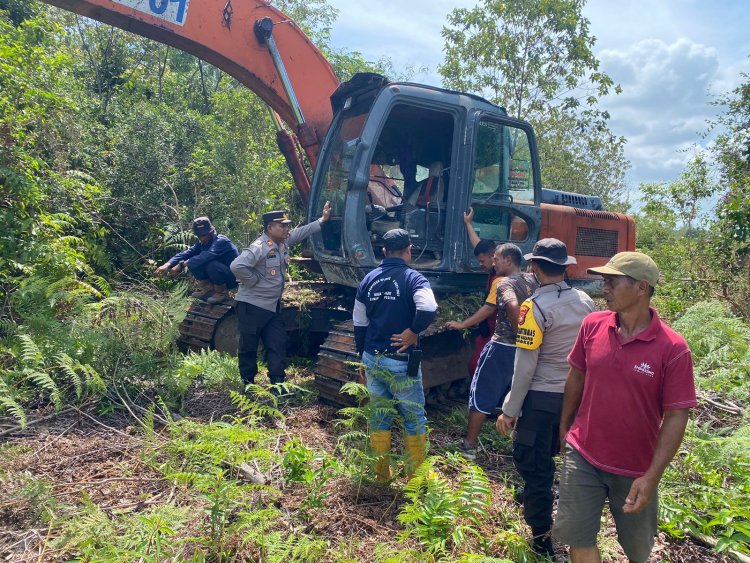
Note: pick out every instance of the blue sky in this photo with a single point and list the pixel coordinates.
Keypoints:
(671, 57)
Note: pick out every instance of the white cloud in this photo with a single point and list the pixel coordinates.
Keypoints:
(664, 107)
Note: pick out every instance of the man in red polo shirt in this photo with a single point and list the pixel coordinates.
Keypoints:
(625, 408)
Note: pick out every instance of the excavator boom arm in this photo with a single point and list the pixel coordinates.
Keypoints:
(221, 33)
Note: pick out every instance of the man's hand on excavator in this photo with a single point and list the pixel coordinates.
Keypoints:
(469, 216)
(326, 212)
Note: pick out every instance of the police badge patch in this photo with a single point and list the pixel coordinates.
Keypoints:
(529, 334)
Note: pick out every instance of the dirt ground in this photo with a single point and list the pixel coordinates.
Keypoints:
(80, 453)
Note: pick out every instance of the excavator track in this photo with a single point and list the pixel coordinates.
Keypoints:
(444, 360)
(209, 326)
(445, 352)
(336, 365)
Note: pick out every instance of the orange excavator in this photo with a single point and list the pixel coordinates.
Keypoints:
(386, 155)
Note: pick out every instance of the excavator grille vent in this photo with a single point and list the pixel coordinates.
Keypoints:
(596, 242)
(597, 214)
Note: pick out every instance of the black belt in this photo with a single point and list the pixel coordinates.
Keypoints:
(390, 356)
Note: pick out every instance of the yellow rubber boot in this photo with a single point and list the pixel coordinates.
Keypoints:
(416, 449)
(380, 442)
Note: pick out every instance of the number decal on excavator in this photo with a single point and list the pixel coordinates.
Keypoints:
(173, 11)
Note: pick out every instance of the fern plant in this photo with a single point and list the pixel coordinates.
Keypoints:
(94, 535)
(262, 537)
(707, 487)
(39, 374)
(314, 471)
(720, 343)
(440, 516)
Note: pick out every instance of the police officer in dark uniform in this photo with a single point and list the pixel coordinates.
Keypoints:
(260, 271)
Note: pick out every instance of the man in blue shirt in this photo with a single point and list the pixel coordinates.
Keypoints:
(393, 305)
(208, 260)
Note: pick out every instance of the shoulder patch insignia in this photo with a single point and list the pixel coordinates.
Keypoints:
(273, 272)
(529, 334)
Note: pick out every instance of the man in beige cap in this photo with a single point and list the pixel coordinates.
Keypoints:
(627, 398)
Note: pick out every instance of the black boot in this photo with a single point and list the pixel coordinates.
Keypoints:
(542, 546)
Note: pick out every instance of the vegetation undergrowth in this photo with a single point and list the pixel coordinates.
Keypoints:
(707, 486)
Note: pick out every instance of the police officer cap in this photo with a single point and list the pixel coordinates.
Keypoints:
(396, 239)
(202, 226)
(281, 216)
(551, 250)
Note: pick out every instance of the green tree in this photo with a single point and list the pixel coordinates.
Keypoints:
(673, 228)
(18, 10)
(526, 55)
(535, 58)
(731, 230)
(48, 212)
(577, 155)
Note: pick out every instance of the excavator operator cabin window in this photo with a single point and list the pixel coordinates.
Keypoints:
(502, 165)
(410, 180)
(500, 224)
(339, 164)
(336, 169)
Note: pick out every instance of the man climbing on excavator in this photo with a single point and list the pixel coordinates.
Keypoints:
(208, 260)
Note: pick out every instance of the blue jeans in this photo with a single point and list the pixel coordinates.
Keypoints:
(387, 381)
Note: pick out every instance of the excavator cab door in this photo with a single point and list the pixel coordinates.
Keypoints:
(339, 170)
(387, 162)
(505, 186)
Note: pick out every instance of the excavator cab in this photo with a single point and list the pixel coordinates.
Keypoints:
(400, 155)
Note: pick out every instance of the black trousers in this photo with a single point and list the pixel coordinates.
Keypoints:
(536, 440)
(256, 325)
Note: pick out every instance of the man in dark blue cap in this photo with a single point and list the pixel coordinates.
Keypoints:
(260, 269)
(393, 305)
(208, 260)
